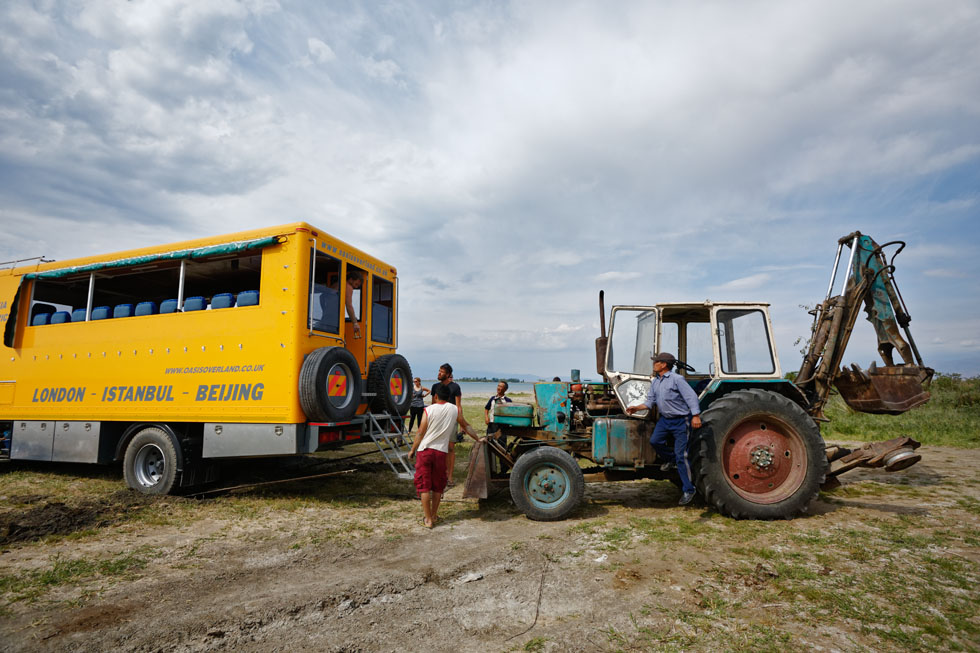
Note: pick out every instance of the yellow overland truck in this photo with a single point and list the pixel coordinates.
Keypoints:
(270, 342)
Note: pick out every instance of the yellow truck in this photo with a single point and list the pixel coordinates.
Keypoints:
(271, 342)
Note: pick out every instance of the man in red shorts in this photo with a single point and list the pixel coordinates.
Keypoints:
(432, 444)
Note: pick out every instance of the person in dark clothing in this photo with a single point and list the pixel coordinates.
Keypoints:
(455, 397)
(418, 404)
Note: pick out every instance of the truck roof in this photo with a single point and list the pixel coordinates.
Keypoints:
(265, 232)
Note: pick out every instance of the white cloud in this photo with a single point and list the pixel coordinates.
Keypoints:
(615, 275)
(750, 282)
(320, 51)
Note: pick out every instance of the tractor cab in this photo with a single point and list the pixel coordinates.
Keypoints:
(712, 342)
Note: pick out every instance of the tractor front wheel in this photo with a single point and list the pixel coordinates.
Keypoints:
(547, 484)
(758, 456)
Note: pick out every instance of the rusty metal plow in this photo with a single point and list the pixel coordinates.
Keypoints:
(893, 455)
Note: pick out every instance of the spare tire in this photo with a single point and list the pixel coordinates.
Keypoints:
(390, 379)
(330, 385)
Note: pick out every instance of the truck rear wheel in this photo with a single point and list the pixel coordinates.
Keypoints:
(758, 456)
(150, 462)
(330, 385)
(547, 484)
(390, 379)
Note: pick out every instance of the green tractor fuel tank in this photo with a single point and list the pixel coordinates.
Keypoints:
(618, 442)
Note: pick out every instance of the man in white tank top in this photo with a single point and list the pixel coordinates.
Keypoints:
(432, 444)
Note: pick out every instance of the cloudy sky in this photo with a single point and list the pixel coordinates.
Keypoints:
(511, 159)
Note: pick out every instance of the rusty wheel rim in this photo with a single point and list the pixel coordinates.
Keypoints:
(765, 460)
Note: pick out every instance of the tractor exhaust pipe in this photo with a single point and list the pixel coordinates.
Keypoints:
(602, 340)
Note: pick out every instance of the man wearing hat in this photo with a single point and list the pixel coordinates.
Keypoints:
(679, 412)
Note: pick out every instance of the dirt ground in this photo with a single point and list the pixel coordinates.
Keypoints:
(631, 571)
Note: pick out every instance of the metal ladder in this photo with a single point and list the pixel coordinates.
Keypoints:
(388, 432)
(5, 432)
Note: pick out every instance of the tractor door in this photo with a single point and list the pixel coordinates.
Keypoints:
(632, 342)
(745, 346)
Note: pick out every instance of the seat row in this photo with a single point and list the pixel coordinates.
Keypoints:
(197, 303)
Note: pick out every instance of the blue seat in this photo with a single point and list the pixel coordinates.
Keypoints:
(380, 323)
(223, 300)
(326, 309)
(194, 304)
(123, 310)
(168, 306)
(100, 312)
(146, 308)
(41, 318)
(248, 298)
(78, 315)
(60, 317)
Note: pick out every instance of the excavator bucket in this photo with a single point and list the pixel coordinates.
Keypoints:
(889, 390)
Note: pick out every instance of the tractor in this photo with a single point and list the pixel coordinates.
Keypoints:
(759, 453)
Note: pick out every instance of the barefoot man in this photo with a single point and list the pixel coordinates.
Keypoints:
(432, 444)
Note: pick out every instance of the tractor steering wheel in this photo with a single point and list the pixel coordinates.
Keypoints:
(684, 366)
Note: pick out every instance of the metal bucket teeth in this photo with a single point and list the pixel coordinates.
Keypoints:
(890, 390)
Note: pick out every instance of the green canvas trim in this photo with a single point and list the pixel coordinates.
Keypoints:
(200, 252)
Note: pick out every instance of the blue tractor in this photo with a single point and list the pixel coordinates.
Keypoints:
(759, 453)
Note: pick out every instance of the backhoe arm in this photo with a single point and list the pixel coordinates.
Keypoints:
(892, 389)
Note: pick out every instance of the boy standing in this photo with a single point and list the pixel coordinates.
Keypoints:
(432, 446)
(499, 398)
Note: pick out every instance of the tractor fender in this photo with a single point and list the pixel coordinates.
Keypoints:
(721, 387)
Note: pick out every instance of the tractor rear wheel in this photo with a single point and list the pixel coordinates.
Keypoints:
(547, 484)
(758, 456)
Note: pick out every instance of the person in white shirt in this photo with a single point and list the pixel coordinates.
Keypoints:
(431, 446)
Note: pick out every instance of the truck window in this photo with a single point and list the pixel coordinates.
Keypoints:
(143, 289)
(355, 289)
(229, 273)
(382, 310)
(744, 342)
(632, 341)
(324, 303)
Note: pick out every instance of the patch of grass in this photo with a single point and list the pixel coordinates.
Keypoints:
(535, 645)
(586, 528)
(69, 571)
(969, 504)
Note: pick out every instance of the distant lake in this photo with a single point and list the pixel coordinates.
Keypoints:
(482, 389)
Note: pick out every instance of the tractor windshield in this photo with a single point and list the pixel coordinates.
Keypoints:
(632, 340)
(744, 342)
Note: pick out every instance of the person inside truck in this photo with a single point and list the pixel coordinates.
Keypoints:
(679, 411)
(354, 282)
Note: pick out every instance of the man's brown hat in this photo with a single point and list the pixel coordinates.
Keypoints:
(664, 357)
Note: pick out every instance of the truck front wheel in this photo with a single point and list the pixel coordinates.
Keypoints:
(547, 484)
(758, 456)
(150, 463)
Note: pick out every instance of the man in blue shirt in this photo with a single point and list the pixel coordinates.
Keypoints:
(679, 412)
